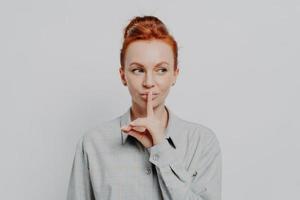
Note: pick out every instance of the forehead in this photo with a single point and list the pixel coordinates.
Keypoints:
(149, 52)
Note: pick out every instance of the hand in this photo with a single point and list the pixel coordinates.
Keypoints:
(148, 130)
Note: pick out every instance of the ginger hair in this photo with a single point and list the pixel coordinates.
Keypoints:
(147, 28)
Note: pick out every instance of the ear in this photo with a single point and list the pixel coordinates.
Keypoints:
(122, 75)
(176, 72)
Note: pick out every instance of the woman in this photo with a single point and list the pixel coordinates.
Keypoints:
(147, 152)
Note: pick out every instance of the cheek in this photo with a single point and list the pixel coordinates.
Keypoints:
(133, 88)
(165, 84)
(133, 82)
(165, 89)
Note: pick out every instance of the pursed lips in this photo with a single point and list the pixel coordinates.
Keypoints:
(146, 92)
(145, 95)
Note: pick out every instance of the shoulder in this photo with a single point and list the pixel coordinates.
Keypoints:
(101, 134)
(197, 128)
(200, 134)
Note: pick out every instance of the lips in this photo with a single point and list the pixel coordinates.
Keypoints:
(153, 93)
(144, 95)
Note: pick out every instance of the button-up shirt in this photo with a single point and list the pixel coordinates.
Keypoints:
(112, 165)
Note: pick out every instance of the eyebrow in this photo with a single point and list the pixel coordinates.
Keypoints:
(136, 63)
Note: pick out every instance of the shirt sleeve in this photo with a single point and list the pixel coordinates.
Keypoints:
(178, 183)
(80, 187)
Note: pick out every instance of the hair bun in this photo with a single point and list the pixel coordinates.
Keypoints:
(147, 28)
(146, 25)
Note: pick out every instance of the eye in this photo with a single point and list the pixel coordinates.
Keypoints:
(163, 70)
(137, 69)
(140, 70)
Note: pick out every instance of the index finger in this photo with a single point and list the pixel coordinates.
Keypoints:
(150, 111)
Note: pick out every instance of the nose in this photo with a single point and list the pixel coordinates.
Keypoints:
(148, 82)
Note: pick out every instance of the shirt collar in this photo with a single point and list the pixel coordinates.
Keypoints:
(171, 130)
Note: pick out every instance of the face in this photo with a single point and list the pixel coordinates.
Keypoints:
(149, 65)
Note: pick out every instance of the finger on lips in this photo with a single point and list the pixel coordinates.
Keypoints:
(132, 125)
(149, 104)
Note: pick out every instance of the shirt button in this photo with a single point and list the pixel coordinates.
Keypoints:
(155, 157)
(195, 173)
(148, 170)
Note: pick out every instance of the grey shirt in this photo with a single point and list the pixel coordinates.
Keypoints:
(111, 165)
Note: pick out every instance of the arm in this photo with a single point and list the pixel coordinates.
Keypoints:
(80, 187)
(177, 183)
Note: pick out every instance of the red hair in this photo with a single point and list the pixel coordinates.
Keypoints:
(147, 28)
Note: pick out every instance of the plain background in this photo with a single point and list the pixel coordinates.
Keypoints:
(239, 75)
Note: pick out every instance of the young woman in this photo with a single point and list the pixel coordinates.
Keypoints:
(148, 152)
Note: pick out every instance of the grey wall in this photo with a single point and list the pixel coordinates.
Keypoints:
(239, 63)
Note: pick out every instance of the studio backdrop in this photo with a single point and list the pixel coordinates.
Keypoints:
(239, 75)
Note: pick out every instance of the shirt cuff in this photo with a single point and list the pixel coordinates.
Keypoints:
(162, 154)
